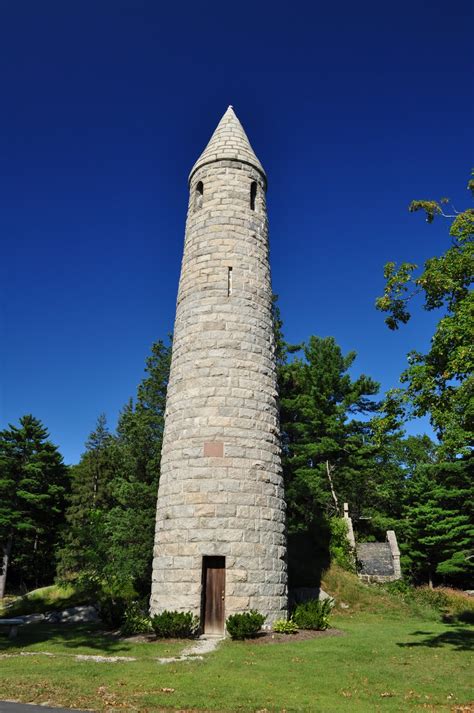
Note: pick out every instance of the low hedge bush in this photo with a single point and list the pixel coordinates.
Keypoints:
(313, 614)
(244, 626)
(175, 624)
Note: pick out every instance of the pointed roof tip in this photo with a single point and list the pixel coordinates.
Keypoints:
(229, 142)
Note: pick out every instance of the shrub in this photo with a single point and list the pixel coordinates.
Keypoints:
(136, 620)
(175, 624)
(112, 595)
(244, 626)
(340, 549)
(313, 614)
(433, 598)
(451, 604)
(419, 597)
(282, 626)
(399, 587)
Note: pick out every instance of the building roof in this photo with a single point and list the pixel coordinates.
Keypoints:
(229, 142)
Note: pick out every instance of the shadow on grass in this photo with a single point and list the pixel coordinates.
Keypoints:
(464, 617)
(65, 635)
(458, 638)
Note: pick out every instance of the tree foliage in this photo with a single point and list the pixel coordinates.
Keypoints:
(90, 495)
(111, 514)
(33, 486)
(437, 523)
(337, 447)
(328, 451)
(438, 542)
(441, 382)
(340, 444)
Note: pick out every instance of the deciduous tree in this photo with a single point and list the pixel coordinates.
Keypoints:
(439, 383)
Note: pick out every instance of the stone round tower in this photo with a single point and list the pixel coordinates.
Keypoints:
(220, 526)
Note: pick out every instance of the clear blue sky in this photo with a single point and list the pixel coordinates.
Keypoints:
(353, 108)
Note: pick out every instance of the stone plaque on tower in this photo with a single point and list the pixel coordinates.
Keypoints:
(220, 544)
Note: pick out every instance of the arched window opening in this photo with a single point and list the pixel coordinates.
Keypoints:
(253, 195)
(198, 195)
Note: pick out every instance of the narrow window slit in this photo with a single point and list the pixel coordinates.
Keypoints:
(198, 195)
(229, 281)
(253, 195)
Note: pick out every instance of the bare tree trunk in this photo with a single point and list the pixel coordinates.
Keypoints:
(95, 485)
(329, 470)
(35, 558)
(7, 548)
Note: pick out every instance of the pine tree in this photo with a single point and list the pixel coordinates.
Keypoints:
(439, 538)
(90, 495)
(328, 455)
(33, 486)
(131, 520)
(112, 509)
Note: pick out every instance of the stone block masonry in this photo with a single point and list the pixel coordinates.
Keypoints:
(221, 488)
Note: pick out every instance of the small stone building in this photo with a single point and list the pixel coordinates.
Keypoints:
(220, 543)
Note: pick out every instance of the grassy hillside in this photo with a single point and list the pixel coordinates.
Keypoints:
(41, 600)
(397, 598)
(347, 589)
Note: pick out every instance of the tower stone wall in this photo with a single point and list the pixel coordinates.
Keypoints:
(221, 489)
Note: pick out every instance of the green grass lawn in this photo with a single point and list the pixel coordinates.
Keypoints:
(384, 662)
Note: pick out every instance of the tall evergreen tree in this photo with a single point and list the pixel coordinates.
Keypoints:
(328, 454)
(33, 486)
(439, 511)
(112, 510)
(90, 494)
(131, 520)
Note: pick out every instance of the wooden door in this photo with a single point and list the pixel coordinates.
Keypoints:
(213, 581)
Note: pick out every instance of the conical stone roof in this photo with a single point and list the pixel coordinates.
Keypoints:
(229, 142)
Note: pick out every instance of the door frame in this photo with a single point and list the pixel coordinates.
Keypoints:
(206, 561)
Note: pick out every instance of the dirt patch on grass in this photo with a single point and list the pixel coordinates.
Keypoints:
(270, 637)
(151, 639)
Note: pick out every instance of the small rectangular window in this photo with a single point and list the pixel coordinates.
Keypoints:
(253, 195)
(229, 281)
